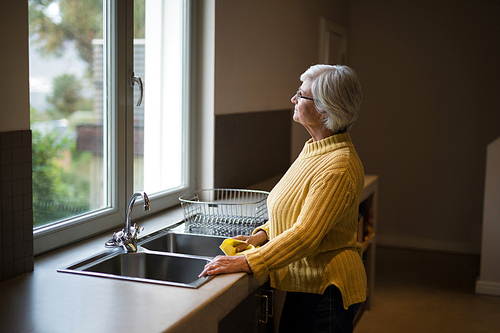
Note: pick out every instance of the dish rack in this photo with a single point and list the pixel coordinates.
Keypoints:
(224, 212)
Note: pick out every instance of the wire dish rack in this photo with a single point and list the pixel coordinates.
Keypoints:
(224, 212)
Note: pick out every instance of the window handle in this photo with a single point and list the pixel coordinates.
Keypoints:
(137, 79)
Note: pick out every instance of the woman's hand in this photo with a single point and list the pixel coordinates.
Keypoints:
(235, 264)
(260, 238)
(226, 264)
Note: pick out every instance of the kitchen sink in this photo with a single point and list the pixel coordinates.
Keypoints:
(192, 244)
(168, 256)
(160, 268)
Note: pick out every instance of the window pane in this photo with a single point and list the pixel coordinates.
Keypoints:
(159, 128)
(68, 114)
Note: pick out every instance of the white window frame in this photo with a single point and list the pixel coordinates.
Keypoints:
(121, 135)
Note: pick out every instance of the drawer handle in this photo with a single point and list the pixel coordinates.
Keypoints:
(269, 308)
(266, 310)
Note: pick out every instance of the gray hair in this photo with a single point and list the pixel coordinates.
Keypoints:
(337, 93)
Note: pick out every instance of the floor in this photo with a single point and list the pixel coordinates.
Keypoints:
(425, 292)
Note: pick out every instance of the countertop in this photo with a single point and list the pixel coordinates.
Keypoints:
(48, 301)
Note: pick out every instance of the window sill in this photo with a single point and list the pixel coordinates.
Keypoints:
(95, 244)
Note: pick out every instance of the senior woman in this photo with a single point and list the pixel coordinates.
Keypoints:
(308, 246)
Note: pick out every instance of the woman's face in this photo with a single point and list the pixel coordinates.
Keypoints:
(305, 112)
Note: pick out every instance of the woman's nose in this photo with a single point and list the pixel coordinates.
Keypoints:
(294, 99)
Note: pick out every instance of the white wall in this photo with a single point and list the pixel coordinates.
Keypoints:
(430, 75)
(14, 86)
(262, 47)
(489, 279)
(204, 101)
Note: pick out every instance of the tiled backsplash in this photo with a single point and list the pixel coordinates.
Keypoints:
(16, 204)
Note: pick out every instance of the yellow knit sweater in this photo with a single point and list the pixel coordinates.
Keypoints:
(313, 213)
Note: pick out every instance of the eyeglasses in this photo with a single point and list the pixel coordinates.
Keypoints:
(299, 95)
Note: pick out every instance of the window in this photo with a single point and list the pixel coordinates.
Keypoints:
(93, 146)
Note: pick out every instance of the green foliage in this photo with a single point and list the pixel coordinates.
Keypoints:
(139, 19)
(57, 193)
(66, 95)
(46, 33)
(61, 185)
(81, 21)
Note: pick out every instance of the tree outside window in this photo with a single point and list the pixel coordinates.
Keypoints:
(67, 106)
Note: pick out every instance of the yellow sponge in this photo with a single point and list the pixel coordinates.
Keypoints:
(229, 245)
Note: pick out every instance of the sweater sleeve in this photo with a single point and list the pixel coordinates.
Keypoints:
(326, 201)
(264, 227)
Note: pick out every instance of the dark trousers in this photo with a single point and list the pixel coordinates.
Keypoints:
(314, 313)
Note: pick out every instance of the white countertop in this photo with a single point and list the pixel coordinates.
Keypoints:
(48, 301)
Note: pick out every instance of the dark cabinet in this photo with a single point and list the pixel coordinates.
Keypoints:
(367, 225)
(252, 315)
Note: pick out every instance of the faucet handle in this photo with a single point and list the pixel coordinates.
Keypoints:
(116, 240)
(129, 242)
(136, 230)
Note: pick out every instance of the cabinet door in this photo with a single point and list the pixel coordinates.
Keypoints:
(248, 316)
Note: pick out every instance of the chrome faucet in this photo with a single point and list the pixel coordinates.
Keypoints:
(127, 237)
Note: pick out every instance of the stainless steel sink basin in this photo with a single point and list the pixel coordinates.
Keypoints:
(166, 256)
(192, 244)
(160, 268)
